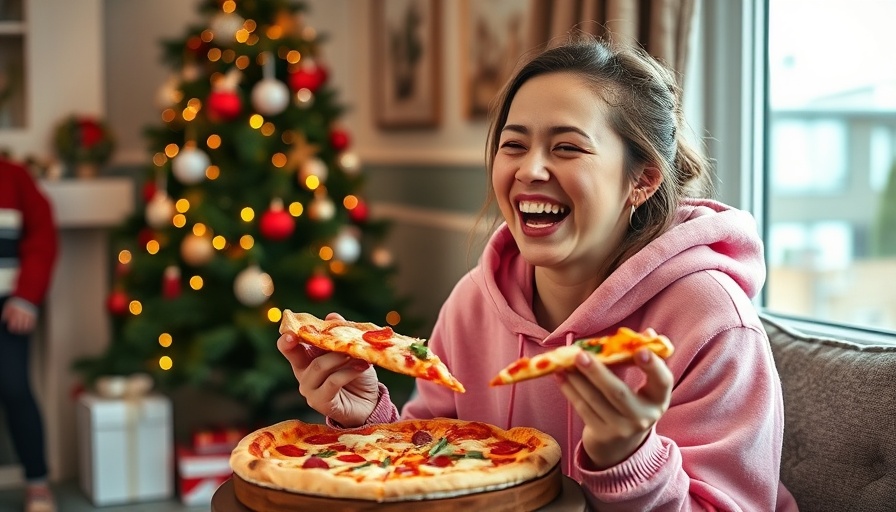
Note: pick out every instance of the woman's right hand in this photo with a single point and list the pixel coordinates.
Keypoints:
(336, 385)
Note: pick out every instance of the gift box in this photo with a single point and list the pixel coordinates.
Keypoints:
(217, 440)
(200, 475)
(125, 448)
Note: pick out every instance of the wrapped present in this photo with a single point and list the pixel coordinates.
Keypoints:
(125, 448)
(200, 475)
(211, 441)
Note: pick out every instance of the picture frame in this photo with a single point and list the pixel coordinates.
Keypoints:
(494, 35)
(406, 64)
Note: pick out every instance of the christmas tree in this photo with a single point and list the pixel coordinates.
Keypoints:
(253, 205)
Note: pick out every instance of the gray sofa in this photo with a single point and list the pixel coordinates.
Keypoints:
(840, 421)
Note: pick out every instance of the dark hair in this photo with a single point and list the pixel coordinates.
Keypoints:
(644, 110)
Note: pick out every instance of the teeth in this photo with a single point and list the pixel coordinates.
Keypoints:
(533, 207)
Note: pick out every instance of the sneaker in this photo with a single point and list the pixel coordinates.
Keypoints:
(39, 498)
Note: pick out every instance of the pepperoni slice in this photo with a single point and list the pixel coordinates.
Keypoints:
(315, 462)
(519, 365)
(322, 439)
(471, 431)
(505, 447)
(290, 450)
(544, 363)
(421, 437)
(410, 361)
(439, 461)
(384, 334)
(351, 457)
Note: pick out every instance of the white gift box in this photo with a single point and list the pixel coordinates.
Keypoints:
(200, 475)
(125, 448)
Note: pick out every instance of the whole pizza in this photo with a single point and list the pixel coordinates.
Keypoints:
(401, 461)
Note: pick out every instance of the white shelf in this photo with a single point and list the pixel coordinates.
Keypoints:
(90, 203)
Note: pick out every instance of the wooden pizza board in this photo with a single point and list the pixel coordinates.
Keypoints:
(550, 493)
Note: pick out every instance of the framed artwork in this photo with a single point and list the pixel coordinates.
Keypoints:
(494, 35)
(406, 64)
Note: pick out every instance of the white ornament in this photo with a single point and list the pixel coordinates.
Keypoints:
(196, 250)
(304, 98)
(252, 286)
(159, 210)
(322, 208)
(270, 96)
(350, 163)
(346, 246)
(225, 26)
(189, 165)
(381, 257)
(313, 167)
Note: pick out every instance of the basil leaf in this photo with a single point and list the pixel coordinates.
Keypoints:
(368, 463)
(420, 351)
(587, 346)
(386, 462)
(443, 442)
(469, 455)
(327, 453)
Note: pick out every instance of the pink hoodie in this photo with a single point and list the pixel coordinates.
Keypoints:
(718, 447)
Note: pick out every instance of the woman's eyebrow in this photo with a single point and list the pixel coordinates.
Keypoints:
(554, 130)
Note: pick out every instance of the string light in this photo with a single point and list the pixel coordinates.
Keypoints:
(165, 340)
(393, 318)
(274, 315)
(124, 257)
(135, 307)
(166, 363)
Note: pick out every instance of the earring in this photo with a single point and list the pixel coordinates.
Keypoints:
(631, 214)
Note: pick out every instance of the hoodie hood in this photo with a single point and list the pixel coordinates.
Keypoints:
(706, 235)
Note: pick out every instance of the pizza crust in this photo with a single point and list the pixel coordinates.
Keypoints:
(251, 460)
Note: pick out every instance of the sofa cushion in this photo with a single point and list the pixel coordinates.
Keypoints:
(839, 428)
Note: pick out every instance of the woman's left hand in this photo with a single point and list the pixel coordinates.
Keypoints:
(617, 419)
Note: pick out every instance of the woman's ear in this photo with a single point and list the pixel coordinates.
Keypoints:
(648, 181)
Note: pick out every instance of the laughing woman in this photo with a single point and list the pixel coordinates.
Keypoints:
(606, 224)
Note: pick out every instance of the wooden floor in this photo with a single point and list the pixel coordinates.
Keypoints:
(70, 498)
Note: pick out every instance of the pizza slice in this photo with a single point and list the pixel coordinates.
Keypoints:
(611, 349)
(377, 345)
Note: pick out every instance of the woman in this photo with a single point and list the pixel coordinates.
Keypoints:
(594, 178)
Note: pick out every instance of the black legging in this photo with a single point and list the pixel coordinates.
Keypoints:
(23, 417)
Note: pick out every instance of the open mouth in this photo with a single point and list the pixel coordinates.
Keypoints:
(537, 214)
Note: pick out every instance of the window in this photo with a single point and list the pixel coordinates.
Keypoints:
(830, 141)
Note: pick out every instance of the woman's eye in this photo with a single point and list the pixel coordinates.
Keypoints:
(511, 145)
(567, 148)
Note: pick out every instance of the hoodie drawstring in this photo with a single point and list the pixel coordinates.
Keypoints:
(569, 445)
(519, 339)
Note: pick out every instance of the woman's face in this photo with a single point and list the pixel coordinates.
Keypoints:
(558, 175)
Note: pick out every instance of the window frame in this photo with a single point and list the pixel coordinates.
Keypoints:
(733, 86)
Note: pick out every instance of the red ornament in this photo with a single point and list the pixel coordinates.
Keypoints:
(144, 236)
(149, 190)
(171, 282)
(360, 212)
(117, 303)
(339, 139)
(276, 224)
(309, 77)
(319, 288)
(224, 105)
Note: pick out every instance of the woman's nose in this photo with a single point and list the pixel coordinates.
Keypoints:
(533, 167)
